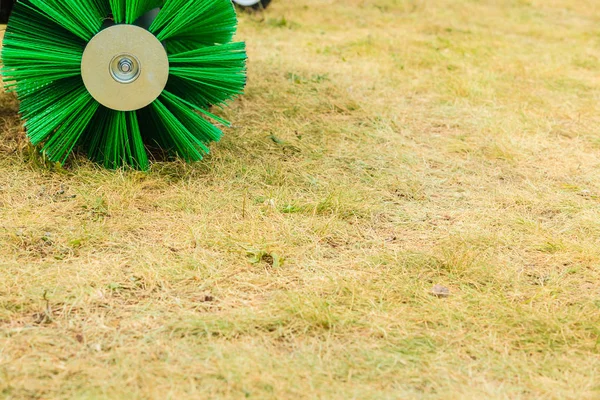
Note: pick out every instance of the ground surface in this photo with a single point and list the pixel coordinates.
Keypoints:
(383, 147)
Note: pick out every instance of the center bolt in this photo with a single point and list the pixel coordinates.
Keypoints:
(125, 65)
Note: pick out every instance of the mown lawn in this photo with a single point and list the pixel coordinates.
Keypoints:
(382, 147)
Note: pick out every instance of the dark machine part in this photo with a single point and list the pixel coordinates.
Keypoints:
(6, 7)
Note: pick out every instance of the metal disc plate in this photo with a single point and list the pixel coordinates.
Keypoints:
(125, 67)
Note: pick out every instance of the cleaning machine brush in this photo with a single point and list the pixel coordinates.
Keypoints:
(114, 78)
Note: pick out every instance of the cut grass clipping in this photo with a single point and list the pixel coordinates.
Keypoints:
(42, 55)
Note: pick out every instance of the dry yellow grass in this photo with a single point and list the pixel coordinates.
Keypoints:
(383, 147)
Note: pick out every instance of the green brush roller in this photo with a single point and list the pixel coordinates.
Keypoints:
(114, 77)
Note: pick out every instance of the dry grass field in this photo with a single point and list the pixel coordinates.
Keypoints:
(383, 147)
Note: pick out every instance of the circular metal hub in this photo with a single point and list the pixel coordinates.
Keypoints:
(125, 67)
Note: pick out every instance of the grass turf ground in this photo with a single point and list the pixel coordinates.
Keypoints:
(383, 147)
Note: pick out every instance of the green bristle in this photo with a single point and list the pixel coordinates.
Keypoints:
(37, 52)
(57, 115)
(185, 111)
(119, 10)
(199, 21)
(116, 140)
(41, 57)
(137, 8)
(128, 11)
(209, 75)
(185, 143)
(82, 17)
